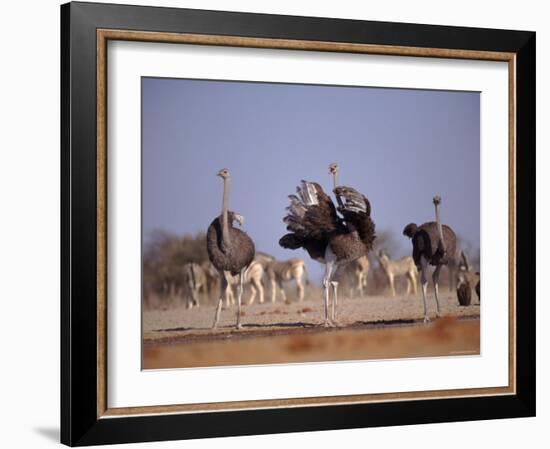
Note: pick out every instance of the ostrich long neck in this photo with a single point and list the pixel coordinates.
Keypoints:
(440, 228)
(335, 181)
(225, 223)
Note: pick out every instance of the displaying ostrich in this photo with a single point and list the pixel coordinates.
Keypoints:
(315, 226)
(229, 249)
(432, 244)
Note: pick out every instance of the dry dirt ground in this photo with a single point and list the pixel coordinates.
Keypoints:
(368, 328)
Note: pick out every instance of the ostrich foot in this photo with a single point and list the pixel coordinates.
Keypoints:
(239, 326)
(329, 323)
(427, 320)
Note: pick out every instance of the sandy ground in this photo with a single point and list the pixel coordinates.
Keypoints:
(368, 328)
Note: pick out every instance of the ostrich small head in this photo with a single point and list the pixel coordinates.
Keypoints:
(223, 173)
(410, 230)
(437, 200)
(234, 216)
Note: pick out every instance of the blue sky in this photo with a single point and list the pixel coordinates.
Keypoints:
(399, 147)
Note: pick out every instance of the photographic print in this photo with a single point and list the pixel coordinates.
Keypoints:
(271, 202)
(291, 223)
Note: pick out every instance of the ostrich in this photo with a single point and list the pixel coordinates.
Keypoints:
(315, 226)
(229, 248)
(432, 244)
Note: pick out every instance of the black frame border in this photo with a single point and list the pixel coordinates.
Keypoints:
(79, 422)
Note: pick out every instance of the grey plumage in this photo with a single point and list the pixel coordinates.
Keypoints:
(232, 257)
(433, 244)
(229, 249)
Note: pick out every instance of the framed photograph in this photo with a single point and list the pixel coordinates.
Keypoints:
(280, 224)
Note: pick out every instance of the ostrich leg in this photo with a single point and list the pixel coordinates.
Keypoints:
(452, 275)
(334, 300)
(326, 284)
(435, 278)
(424, 282)
(223, 290)
(240, 297)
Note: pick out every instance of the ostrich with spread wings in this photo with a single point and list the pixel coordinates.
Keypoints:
(329, 238)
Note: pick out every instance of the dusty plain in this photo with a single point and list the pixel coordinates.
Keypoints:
(372, 327)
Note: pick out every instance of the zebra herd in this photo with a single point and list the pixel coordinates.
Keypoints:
(205, 279)
(266, 274)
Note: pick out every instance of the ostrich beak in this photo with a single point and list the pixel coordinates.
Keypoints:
(240, 219)
(223, 173)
